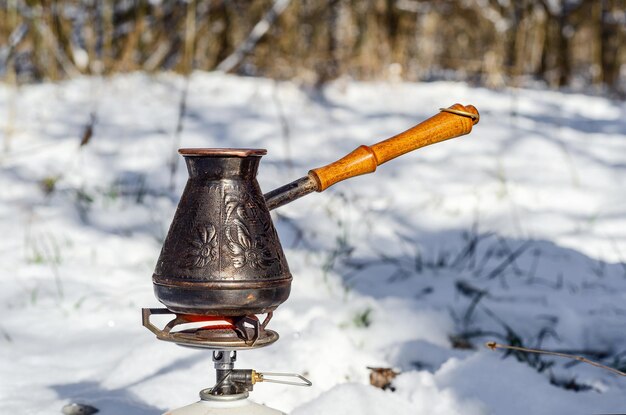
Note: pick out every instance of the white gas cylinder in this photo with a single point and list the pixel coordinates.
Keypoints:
(240, 405)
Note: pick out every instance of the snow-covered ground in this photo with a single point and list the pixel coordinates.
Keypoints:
(515, 233)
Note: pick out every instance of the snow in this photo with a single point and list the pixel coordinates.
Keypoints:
(528, 212)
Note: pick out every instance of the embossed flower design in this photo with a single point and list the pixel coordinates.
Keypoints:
(239, 205)
(204, 249)
(245, 250)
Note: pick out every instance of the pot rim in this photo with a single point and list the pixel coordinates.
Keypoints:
(222, 152)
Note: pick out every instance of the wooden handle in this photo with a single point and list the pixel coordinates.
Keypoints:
(364, 159)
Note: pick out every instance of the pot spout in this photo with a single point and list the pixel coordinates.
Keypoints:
(451, 122)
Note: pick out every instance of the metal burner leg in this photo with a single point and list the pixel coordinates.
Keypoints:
(240, 328)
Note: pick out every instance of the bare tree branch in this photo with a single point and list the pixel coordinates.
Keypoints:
(255, 35)
(494, 346)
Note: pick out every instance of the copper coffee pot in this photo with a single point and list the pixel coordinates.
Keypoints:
(222, 255)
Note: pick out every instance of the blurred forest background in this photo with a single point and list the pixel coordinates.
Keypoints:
(560, 43)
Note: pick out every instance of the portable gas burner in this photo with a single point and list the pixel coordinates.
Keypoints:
(222, 265)
(225, 336)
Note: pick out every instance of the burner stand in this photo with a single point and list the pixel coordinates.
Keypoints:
(233, 333)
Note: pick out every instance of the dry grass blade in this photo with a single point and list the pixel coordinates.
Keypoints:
(494, 346)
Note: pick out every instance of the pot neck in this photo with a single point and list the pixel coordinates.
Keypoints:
(214, 167)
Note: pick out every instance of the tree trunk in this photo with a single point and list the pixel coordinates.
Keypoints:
(609, 45)
(563, 62)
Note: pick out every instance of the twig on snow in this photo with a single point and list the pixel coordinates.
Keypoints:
(190, 28)
(493, 346)
(182, 110)
(88, 129)
(284, 124)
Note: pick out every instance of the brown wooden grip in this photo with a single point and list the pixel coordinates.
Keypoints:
(364, 159)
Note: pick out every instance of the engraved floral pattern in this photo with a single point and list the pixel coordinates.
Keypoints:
(245, 250)
(204, 247)
(246, 230)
